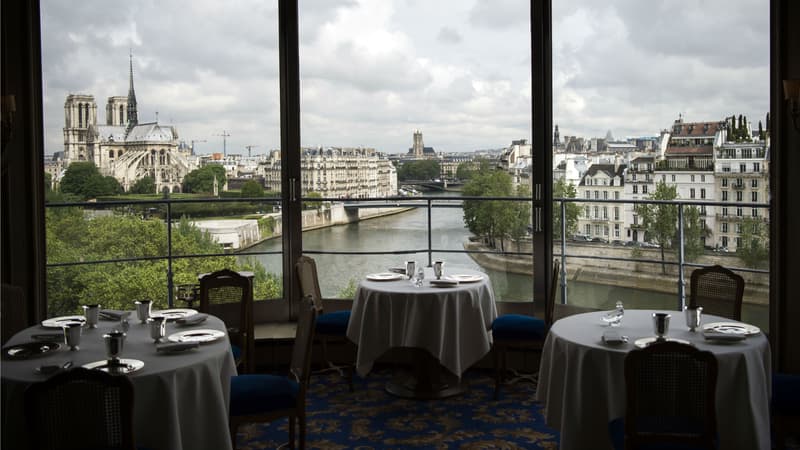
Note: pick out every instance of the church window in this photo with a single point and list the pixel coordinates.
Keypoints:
(121, 115)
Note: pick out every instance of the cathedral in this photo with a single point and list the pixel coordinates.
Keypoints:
(123, 147)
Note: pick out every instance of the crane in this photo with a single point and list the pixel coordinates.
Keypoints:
(224, 135)
(196, 140)
(249, 148)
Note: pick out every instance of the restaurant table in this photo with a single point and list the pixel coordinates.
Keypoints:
(451, 324)
(582, 381)
(181, 399)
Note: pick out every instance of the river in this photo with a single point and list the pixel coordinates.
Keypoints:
(408, 231)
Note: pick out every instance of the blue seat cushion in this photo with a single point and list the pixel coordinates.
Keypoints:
(786, 394)
(518, 327)
(333, 323)
(258, 394)
(237, 352)
(616, 431)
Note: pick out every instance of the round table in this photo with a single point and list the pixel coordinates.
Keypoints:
(582, 381)
(181, 399)
(451, 324)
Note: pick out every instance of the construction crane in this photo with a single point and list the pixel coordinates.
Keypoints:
(224, 135)
(196, 140)
(249, 148)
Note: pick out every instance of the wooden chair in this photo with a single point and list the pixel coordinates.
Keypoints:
(229, 296)
(521, 331)
(671, 399)
(785, 407)
(264, 398)
(718, 290)
(80, 409)
(330, 326)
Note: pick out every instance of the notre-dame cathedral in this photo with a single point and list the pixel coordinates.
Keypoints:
(123, 147)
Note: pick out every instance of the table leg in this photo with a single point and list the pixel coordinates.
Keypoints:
(428, 379)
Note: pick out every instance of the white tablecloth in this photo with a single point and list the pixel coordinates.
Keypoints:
(582, 381)
(181, 400)
(451, 323)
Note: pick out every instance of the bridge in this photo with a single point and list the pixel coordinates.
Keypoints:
(433, 185)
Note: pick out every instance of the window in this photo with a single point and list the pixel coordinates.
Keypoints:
(605, 212)
(724, 227)
(596, 195)
(724, 196)
(673, 178)
(636, 189)
(605, 230)
(755, 212)
(616, 213)
(702, 178)
(616, 230)
(742, 168)
(587, 229)
(664, 178)
(724, 182)
(726, 167)
(616, 195)
(588, 194)
(702, 210)
(738, 228)
(756, 167)
(739, 212)
(644, 189)
(724, 211)
(605, 195)
(738, 242)
(754, 197)
(754, 183)
(691, 193)
(739, 196)
(725, 241)
(596, 212)
(692, 178)
(598, 230)
(586, 212)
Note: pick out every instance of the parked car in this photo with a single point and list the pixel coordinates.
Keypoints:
(581, 238)
(617, 242)
(600, 240)
(633, 244)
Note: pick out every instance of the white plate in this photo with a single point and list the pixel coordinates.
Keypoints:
(716, 336)
(385, 276)
(196, 336)
(125, 366)
(58, 322)
(466, 278)
(732, 328)
(174, 314)
(644, 342)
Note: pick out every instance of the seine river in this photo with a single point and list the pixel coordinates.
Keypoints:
(408, 231)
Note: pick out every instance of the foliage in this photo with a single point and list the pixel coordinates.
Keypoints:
(83, 179)
(48, 182)
(266, 225)
(312, 204)
(660, 221)
(564, 189)
(694, 233)
(349, 291)
(754, 251)
(144, 185)
(426, 169)
(467, 170)
(202, 180)
(494, 219)
(252, 189)
(75, 235)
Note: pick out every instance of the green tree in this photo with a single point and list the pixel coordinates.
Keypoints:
(426, 169)
(252, 189)
(754, 248)
(490, 219)
(144, 185)
(660, 220)
(564, 189)
(84, 180)
(695, 231)
(312, 204)
(519, 217)
(466, 170)
(202, 180)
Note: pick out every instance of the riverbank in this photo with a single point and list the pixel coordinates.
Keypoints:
(627, 274)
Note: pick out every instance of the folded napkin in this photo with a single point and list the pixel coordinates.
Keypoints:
(720, 336)
(176, 346)
(614, 337)
(113, 314)
(444, 282)
(194, 319)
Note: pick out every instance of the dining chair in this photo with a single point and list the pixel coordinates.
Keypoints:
(718, 290)
(670, 391)
(523, 332)
(229, 296)
(785, 407)
(330, 326)
(80, 409)
(264, 398)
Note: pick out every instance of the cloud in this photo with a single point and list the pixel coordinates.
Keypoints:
(448, 35)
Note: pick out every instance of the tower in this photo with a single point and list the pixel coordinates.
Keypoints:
(80, 112)
(556, 137)
(418, 145)
(117, 111)
(133, 117)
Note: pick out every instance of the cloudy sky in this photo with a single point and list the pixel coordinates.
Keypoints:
(374, 70)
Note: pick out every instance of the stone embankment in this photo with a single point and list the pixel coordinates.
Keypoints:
(623, 272)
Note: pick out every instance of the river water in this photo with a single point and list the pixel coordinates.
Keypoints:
(408, 231)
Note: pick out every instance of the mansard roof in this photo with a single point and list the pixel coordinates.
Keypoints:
(700, 150)
(146, 132)
(696, 129)
(608, 169)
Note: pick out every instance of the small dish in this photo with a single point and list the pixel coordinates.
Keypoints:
(466, 278)
(123, 367)
(199, 336)
(644, 342)
(732, 328)
(385, 276)
(29, 350)
(58, 322)
(175, 313)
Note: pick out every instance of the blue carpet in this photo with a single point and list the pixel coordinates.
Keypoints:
(369, 418)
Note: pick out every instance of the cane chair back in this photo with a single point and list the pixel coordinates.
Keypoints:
(229, 296)
(718, 290)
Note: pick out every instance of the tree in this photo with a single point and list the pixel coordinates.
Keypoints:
(312, 204)
(660, 220)
(695, 231)
(202, 180)
(493, 219)
(252, 189)
(144, 185)
(465, 170)
(84, 180)
(426, 169)
(754, 248)
(564, 189)
(761, 135)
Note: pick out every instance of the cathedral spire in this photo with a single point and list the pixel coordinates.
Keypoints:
(133, 117)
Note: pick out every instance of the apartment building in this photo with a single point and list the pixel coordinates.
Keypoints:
(603, 220)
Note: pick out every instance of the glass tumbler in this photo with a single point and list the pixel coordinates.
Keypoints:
(114, 341)
(694, 317)
(158, 327)
(437, 269)
(661, 324)
(72, 334)
(143, 309)
(92, 314)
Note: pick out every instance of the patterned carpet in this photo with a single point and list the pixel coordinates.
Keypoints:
(369, 418)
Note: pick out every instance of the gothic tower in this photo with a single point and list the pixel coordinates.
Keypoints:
(80, 112)
(556, 138)
(133, 117)
(117, 111)
(418, 145)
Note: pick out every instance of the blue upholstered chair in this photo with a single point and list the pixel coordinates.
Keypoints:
(521, 331)
(330, 326)
(264, 398)
(785, 407)
(229, 296)
(670, 393)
